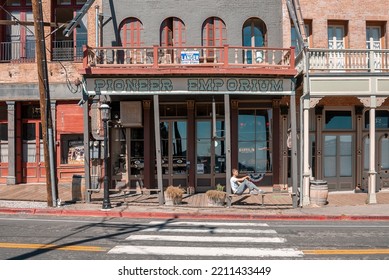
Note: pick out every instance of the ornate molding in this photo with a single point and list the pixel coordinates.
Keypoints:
(10, 105)
(313, 101)
(380, 101)
(366, 101)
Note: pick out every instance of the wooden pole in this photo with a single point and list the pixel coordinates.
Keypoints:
(44, 97)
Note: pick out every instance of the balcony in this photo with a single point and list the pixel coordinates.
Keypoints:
(17, 52)
(347, 60)
(156, 60)
(67, 51)
(24, 52)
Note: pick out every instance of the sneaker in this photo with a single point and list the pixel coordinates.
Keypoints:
(254, 192)
(261, 191)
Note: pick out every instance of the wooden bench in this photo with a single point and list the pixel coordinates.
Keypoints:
(262, 195)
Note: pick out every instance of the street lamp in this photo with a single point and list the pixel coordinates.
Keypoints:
(105, 116)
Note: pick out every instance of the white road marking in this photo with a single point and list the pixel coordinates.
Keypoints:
(210, 224)
(226, 239)
(210, 230)
(205, 251)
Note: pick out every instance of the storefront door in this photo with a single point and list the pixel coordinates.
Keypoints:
(33, 154)
(338, 161)
(174, 152)
(210, 154)
(382, 161)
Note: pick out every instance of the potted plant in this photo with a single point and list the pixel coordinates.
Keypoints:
(173, 195)
(216, 197)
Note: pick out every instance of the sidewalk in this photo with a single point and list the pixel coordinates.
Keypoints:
(31, 199)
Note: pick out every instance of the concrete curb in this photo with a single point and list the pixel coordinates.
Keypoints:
(189, 216)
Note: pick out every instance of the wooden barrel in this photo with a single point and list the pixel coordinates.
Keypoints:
(319, 192)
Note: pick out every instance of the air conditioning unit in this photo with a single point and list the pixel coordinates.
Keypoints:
(131, 113)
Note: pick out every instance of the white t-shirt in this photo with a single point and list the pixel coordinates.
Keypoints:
(234, 183)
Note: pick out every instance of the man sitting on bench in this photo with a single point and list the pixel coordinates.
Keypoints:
(239, 185)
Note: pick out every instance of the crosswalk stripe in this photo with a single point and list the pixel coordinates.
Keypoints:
(205, 251)
(191, 238)
(211, 224)
(211, 230)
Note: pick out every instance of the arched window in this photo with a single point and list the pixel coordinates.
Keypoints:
(254, 35)
(213, 35)
(130, 32)
(172, 32)
(214, 32)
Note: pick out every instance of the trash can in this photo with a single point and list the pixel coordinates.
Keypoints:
(78, 187)
(318, 194)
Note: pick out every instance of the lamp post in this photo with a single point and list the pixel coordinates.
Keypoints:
(105, 116)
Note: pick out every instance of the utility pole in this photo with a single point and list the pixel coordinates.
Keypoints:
(45, 106)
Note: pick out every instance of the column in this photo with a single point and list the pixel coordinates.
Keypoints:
(149, 151)
(191, 154)
(371, 197)
(276, 143)
(306, 170)
(11, 178)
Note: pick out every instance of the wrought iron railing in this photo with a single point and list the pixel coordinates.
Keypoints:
(18, 52)
(67, 51)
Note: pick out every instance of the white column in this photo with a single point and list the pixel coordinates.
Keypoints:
(306, 171)
(372, 198)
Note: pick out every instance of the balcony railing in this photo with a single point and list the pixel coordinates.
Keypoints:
(67, 51)
(24, 52)
(348, 60)
(157, 57)
(18, 52)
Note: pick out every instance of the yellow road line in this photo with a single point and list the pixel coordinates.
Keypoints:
(51, 247)
(347, 252)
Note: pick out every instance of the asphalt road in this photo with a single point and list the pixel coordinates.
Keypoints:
(70, 238)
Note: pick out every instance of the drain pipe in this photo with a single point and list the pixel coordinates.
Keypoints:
(304, 134)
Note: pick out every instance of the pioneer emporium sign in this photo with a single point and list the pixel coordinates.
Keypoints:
(122, 86)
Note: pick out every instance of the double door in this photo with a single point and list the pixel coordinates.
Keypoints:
(174, 144)
(381, 160)
(210, 154)
(33, 165)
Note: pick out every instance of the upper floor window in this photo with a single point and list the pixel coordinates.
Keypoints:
(214, 35)
(130, 32)
(294, 37)
(336, 36)
(254, 33)
(214, 32)
(172, 32)
(373, 37)
(69, 48)
(19, 40)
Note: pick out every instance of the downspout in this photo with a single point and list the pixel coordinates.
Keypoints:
(304, 134)
(97, 26)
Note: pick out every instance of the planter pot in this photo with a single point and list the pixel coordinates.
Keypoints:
(216, 201)
(318, 192)
(173, 201)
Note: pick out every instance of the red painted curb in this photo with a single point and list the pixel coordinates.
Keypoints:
(189, 216)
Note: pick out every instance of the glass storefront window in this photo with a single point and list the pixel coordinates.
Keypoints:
(136, 151)
(204, 133)
(72, 149)
(254, 140)
(338, 120)
(3, 142)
